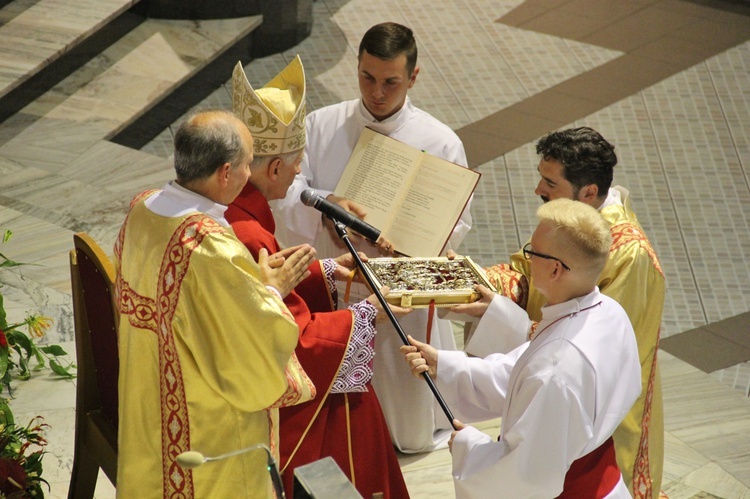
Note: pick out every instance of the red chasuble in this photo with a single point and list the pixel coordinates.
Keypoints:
(348, 427)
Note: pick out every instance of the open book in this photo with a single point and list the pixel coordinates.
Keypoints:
(413, 197)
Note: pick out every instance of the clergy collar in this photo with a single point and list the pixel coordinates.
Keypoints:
(614, 198)
(573, 306)
(388, 125)
(176, 201)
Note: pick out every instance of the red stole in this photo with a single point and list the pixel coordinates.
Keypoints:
(594, 475)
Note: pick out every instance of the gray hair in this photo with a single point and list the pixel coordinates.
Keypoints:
(260, 162)
(205, 141)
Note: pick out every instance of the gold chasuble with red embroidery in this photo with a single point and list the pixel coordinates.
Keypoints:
(206, 353)
(634, 278)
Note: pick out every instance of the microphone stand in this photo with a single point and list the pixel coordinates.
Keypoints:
(344, 236)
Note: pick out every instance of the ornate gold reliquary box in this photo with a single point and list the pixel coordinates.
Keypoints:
(414, 282)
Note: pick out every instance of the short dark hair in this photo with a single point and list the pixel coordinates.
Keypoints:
(389, 40)
(205, 141)
(587, 158)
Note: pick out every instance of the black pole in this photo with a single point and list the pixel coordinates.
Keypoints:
(344, 236)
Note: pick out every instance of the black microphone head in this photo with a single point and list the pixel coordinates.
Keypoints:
(308, 197)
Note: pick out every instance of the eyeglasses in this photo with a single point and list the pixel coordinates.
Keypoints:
(527, 253)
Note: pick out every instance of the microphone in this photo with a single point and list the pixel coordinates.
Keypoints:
(311, 198)
(192, 459)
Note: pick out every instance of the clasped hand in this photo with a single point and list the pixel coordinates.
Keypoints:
(287, 268)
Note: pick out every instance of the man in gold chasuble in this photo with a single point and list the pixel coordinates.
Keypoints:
(206, 343)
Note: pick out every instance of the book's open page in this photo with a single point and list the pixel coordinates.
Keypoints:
(438, 193)
(414, 198)
(377, 175)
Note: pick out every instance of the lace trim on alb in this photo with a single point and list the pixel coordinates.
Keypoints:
(356, 370)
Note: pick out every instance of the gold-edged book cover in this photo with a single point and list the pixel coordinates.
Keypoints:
(415, 282)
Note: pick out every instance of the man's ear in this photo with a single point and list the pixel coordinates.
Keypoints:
(557, 271)
(413, 77)
(223, 172)
(273, 169)
(589, 194)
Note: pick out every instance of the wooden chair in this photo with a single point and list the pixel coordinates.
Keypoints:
(92, 278)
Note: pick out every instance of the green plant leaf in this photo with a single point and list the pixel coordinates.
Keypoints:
(7, 262)
(4, 353)
(6, 415)
(60, 370)
(23, 367)
(34, 462)
(3, 322)
(20, 340)
(37, 354)
(55, 350)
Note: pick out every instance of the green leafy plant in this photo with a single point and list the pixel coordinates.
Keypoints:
(17, 347)
(21, 452)
(22, 447)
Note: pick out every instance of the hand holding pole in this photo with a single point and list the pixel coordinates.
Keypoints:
(341, 231)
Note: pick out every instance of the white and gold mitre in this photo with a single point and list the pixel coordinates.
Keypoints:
(275, 114)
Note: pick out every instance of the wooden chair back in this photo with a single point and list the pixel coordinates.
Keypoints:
(92, 279)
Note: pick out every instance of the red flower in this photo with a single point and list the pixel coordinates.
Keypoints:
(3, 339)
(12, 477)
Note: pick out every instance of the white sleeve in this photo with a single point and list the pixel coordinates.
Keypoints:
(473, 388)
(503, 327)
(531, 459)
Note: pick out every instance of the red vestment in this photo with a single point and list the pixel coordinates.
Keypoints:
(349, 427)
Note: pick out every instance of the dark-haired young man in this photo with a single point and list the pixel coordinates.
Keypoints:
(578, 164)
(387, 69)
